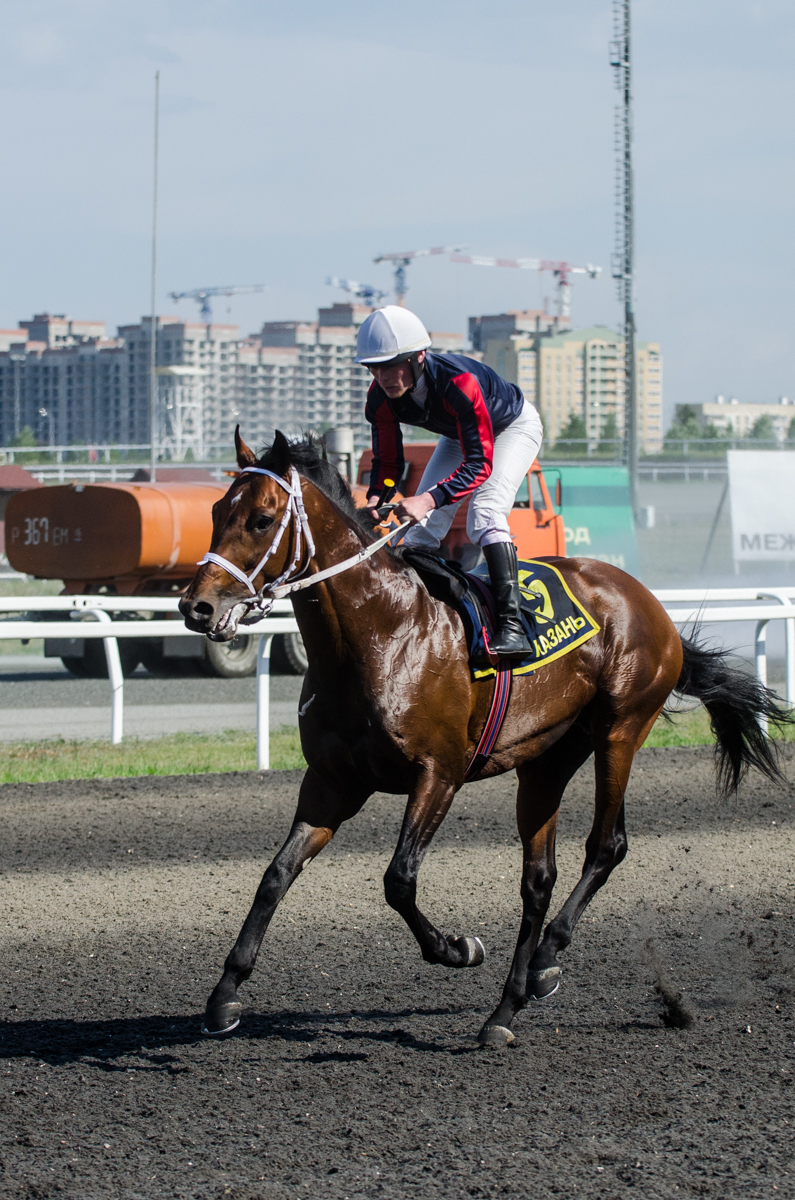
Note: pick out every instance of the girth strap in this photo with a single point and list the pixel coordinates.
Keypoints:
(503, 686)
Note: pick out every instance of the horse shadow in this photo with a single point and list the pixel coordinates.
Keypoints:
(156, 1042)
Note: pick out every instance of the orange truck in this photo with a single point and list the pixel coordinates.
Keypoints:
(128, 539)
(144, 539)
(536, 527)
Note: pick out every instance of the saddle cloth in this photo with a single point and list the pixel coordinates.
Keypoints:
(554, 619)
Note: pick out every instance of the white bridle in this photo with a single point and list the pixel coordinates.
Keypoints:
(284, 585)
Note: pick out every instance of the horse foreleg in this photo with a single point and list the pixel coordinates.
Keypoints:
(427, 807)
(605, 848)
(542, 782)
(320, 812)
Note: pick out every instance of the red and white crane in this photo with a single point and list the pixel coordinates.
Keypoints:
(401, 259)
(561, 272)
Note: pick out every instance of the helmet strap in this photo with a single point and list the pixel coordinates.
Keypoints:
(417, 367)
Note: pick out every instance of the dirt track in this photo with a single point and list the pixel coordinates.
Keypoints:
(355, 1072)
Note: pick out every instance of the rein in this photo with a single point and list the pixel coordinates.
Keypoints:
(286, 583)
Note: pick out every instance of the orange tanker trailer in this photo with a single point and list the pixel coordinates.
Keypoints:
(144, 539)
(127, 539)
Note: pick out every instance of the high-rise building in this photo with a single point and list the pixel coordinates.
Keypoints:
(329, 388)
(66, 383)
(59, 330)
(530, 322)
(210, 349)
(70, 384)
(737, 418)
(577, 372)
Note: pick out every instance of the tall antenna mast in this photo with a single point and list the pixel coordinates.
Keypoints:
(153, 319)
(624, 256)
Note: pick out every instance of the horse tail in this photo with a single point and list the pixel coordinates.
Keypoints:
(735, 701)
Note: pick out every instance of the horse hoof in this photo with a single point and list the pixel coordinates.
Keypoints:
(473, 950)
(542, 984)
(495, 1035)
(222, 1019)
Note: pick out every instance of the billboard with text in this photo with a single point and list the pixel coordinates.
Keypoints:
(762, 488)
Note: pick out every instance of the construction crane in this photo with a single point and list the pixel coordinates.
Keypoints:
(364, 291)
(402, 260)
(561, 272)
(203, 296)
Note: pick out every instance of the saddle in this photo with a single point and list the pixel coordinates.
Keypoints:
(554, 619)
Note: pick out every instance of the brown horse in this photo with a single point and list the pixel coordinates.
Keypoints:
(388, 705)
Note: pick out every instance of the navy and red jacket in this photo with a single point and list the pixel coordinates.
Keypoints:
(466, 401)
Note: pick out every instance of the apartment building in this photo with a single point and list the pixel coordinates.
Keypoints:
(580, 371)
(69, 383)
(210, 349)
(733, 417)
(328, 388)
(530, 322)
(63, 380)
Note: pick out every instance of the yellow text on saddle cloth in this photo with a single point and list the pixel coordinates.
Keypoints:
(557, 622)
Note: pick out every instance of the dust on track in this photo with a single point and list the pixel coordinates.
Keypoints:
(355, 1072)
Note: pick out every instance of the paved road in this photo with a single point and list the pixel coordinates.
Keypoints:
(40, 699)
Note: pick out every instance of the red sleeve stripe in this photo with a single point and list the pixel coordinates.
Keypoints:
(387, 450)
(477, 443)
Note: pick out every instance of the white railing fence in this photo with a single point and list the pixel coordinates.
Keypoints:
(101, 608)
(703, 606)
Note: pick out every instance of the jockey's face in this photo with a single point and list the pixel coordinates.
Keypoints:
(395, 378)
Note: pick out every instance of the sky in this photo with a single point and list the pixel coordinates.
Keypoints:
(300, 139)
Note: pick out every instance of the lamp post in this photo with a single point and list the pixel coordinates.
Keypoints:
(153, 318)
(17, 360)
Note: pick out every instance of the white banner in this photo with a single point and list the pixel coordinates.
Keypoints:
(762, 485)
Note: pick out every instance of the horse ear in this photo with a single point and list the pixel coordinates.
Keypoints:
(280, 457)
(245, 456)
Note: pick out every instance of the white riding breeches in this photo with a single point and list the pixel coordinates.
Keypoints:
(515, 450)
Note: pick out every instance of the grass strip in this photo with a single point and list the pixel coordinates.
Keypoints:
(178, 754)
(234, 750)
(692, 729)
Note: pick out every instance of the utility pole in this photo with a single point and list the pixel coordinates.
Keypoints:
(153, 319)
(624, 256)
(17, 360)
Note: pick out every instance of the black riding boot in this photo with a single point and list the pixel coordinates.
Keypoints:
(510, 639)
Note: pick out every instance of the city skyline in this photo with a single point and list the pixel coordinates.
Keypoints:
(269, 117)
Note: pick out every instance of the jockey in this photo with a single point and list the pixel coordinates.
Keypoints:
(489, 437)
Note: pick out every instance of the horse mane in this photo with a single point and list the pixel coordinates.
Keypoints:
(310, 460)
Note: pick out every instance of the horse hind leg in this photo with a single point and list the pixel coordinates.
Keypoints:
(542, 782)
(605, 848)
(426, 809)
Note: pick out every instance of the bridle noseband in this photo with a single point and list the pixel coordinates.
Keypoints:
(294, 508)
(287, 582)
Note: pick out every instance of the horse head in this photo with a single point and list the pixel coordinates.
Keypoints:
(248, 522)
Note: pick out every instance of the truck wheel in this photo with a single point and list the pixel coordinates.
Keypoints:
(289, 654)
(232, 660)
(157, 663)
(94, 665)
(76, 665)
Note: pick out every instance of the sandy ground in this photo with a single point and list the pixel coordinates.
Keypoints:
(355, 1072)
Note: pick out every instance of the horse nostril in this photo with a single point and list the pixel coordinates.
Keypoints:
(196, 610)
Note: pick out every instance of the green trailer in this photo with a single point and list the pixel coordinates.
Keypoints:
(596, 509)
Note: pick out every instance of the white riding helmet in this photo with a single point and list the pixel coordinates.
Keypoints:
(390, 334)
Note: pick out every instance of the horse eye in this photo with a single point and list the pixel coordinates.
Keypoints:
(262, 523)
